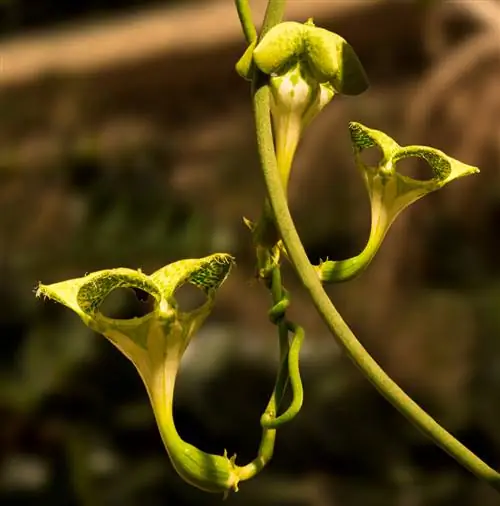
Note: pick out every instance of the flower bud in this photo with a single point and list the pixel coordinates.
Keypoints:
(306, 65)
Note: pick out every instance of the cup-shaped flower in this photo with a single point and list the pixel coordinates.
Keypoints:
(390, 192)
(306, 66)
(155, 344)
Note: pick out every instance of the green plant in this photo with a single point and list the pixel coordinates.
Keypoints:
(295, 71)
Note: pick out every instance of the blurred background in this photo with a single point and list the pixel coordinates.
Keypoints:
(126, 140)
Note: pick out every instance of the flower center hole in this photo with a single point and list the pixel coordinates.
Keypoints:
(189, 297)
(372, 156)
(127, 303)
(415, 167)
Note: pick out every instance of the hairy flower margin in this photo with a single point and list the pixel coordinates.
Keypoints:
(155, 344)
(389, 191)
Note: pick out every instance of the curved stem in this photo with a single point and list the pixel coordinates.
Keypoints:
(337, 271)
(163, 409)
(278, 293)
(345, 337)
(274, 13)
(292, 361)
(266, 242)
(268, 439)
(245, 15)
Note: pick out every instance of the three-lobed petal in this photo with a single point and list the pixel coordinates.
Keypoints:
(390, 192)
(142, 339)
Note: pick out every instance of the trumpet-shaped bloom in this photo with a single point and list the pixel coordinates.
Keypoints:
(155, 344)
(390, 192)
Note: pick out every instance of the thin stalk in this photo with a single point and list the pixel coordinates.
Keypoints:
(274, 14)
(277, 294)
(268, 438)
(337, 271)
(341, 331)
(245, 15)
(162, 403)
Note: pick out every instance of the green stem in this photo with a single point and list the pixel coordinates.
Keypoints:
(267, 442)
(208, 472)
(289, 364)
(277, 293)
(245, 15)
(274, 14)
(337, 271)
(265, 454)
(163, 409)
(176, 447)
(345, 337)
(268, 439)
(265, 228)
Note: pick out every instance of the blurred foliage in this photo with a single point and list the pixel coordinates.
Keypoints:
(133, 178)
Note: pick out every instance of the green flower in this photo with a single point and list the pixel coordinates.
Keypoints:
(306, 66)
(155, 344)
(296, 99)
(390, 192)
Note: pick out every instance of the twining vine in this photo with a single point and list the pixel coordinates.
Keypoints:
(294, 70)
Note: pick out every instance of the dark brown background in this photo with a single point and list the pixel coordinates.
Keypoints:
(137, 149)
